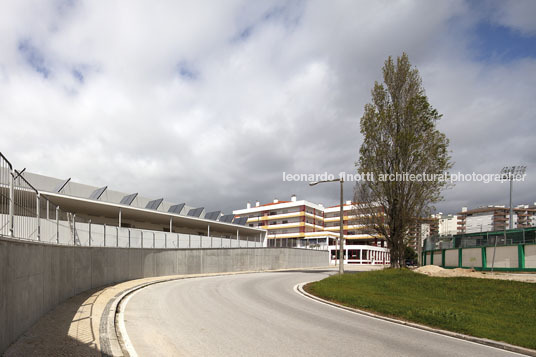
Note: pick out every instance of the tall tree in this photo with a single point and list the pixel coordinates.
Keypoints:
(400, 137)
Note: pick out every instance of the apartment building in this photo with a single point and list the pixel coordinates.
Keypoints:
(294, 223)
(495, 218)
(424, 228)
(355, 229)
(448, 224)
(300, 223)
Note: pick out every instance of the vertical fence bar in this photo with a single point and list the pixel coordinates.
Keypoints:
(11, 204)
(104, 235)
(74, 229)
(154, 240)
(38, 214)
(57, 225)
(89, 232)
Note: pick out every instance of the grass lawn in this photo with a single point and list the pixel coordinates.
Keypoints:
(496, 309)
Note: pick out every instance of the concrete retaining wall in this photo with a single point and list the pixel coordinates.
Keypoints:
(35, 277)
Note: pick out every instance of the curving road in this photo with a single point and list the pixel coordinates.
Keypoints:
(260, 314)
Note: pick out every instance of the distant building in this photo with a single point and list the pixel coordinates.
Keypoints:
(288, 223)
(424, 228)
(300, 223)
(448, 224)
(495, 218)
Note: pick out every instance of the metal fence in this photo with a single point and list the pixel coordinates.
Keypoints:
(25, 214)
(482, 239)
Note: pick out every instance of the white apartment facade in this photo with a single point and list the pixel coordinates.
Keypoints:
(300, 223)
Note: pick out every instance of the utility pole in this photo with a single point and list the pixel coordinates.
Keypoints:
(341, 231)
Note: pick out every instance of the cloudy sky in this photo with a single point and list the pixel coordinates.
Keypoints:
(209, 102)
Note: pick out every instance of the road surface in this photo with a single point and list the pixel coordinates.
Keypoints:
(260, 314)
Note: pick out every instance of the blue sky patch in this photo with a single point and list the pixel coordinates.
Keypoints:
(186, 71)
(34, 57)
(77, 74)
(496, 43)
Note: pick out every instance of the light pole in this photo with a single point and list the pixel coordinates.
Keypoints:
(510, 173)
(341, 233)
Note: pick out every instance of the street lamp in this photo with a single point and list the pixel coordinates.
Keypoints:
(341, 245)
(509, 173)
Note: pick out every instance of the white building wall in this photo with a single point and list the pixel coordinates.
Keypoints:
(448, 225)
(480, 222)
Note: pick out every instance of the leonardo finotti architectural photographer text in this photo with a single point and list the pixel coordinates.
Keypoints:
(405, 176)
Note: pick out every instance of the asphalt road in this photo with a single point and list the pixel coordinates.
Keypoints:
(260, 314)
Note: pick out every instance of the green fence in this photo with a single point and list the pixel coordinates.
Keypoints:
(508, 257)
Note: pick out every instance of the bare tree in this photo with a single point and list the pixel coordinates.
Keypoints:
(400, 140)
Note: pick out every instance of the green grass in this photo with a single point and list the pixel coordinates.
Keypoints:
(496, 309)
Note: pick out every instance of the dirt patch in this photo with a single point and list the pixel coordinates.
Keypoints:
(434, 270)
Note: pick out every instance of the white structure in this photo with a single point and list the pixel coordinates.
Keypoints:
(360, 254)
(300, 223)
(448, 224)
(61, 211)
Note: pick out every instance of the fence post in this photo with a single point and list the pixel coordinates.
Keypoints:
(521, 256)
(38, 214)
(129, 237)
(154, 240)
(74, 229)
(189, 240)
(11, 205)
(57, 225)
(141, 233)
(165, 240)
(89, 231)
(117, 236)
(104, 235)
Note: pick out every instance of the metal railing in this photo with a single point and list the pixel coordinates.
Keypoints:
(26, 214)
(482, 239)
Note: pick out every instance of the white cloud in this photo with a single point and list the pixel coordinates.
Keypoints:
(269, 87)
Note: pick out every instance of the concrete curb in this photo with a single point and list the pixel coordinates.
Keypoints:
(110, 331)
(482, 341)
